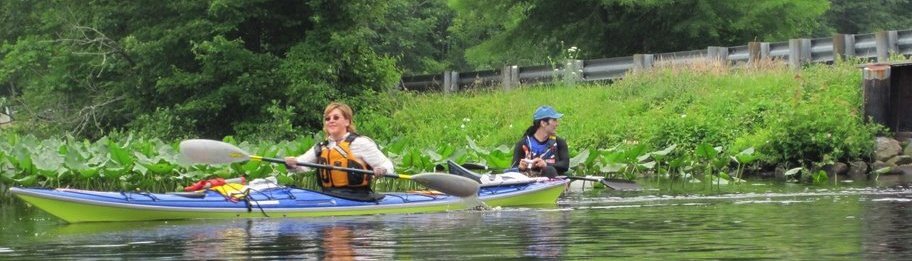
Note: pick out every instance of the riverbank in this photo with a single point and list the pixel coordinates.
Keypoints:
(747, 120)
(705, 123)
(892, 160)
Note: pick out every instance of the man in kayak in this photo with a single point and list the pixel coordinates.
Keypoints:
(344, 148)
(540, 152)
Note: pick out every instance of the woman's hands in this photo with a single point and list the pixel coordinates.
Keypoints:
(537, 163)
(291, 163)
(379, 172)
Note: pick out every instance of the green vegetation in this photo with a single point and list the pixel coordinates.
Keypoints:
(126, 162)
(705, 124)
(263, 69)
(776, 115)
(101, 91)
(528, 31)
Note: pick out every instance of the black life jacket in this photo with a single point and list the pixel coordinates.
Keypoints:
(533, 149)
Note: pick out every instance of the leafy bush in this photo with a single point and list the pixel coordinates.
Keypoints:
(788, 117)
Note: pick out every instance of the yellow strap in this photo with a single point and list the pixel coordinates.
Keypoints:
(234, 190)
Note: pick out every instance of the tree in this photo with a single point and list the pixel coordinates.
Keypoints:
(852, 17)
(189, 68)
(414, 32)
(532, 30)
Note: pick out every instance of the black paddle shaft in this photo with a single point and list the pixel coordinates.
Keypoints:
(321, 166)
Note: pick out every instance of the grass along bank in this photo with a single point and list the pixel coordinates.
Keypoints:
(708, 124)
(777, 116)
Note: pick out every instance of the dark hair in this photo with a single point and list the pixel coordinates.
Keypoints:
(535, 124)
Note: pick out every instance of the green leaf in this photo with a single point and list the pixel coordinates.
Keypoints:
(665, 151)
(718, 179)
(430, 153)
(580, 158)
(284, 179)
(632, 155)
(475, 147)
(23, 161)
(793, 171)
(139, 168)
(27, 180)
(820, 177)
(648, 165)
(161, 168)
(88, 172)
(613, 167)
(119, 155)
(706, 151)
(48, 162)
(75, 160)
(643, 157)
(500, 158)
(446, 150)
(114, 173)
(459, 155)
(746, 156)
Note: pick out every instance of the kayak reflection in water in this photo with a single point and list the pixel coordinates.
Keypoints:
(343, 147)
(540, 152)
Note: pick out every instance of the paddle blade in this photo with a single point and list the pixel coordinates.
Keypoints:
(211, 151)
(447, 183)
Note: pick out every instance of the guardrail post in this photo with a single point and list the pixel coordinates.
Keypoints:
(839, 47)
(795, 53)
(717, 53)
(510, 75)
(723, 54)
(455, 83)
(806, 55)
(765, 50)
(514, 74)
(886, 44)
(642, 62)
(850, 45)
(753, 52)
(450, 81)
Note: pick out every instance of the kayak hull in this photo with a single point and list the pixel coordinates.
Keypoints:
(76, 206)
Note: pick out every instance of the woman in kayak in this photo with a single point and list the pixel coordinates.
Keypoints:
(540, 152)
(344, 148)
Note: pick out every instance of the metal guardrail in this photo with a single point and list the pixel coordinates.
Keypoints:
(796, 52)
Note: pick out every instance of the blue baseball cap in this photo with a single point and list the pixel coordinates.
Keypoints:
(546, 112)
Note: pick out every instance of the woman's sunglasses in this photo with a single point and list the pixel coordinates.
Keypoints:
(334, 117)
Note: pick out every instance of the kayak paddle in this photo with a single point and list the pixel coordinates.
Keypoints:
(615, 184)
(217, 152)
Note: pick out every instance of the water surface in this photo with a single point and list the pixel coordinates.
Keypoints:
(792, 223)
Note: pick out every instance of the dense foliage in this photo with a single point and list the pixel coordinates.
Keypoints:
(264, 68)
(706, 124)
(532, 30)
(181, 68)
(788, 117)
